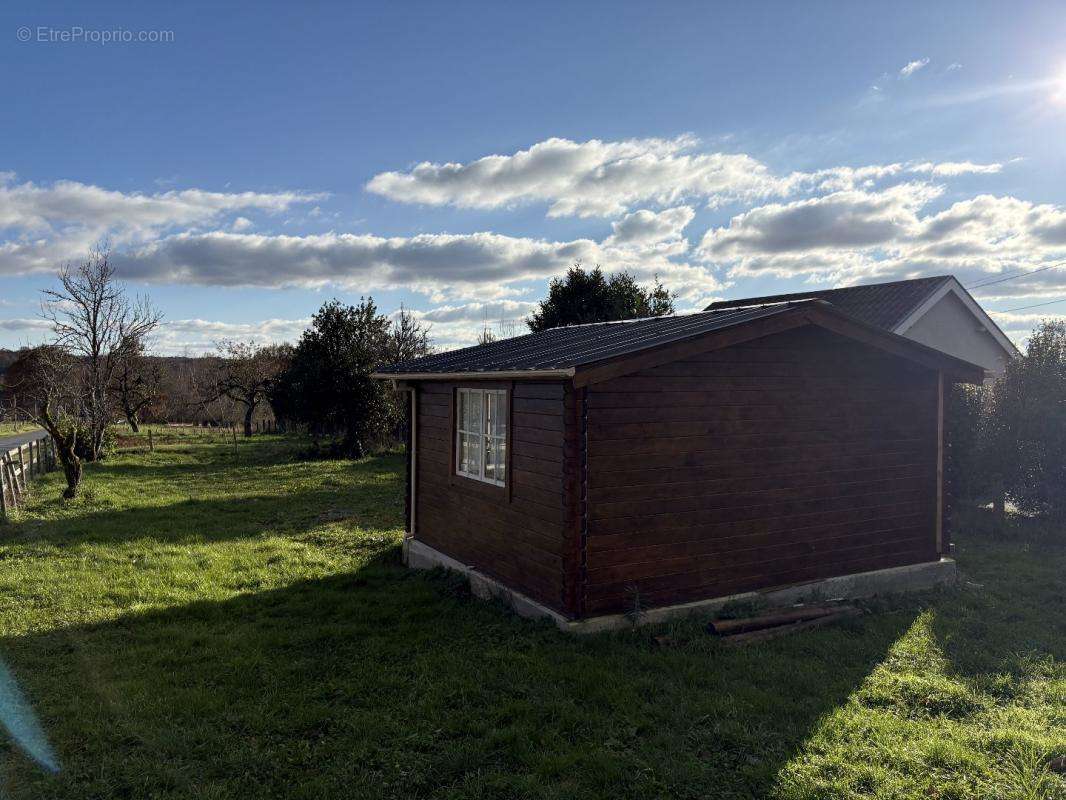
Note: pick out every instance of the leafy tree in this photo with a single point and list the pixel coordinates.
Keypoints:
(328, 384)
(1028, 427)
(590, 296)
(973, 462)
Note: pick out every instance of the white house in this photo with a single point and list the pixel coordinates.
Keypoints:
(937, 312)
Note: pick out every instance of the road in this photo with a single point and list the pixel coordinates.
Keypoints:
(9, 441)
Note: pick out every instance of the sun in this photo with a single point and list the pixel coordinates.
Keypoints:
(1058, 88)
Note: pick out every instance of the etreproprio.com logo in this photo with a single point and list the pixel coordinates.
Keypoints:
(76, 34)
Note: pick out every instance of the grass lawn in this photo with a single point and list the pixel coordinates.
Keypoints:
(9, 428)
(212, 623)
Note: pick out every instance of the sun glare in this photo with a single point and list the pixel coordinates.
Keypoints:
(1058, 88)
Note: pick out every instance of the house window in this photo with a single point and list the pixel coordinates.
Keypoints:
(481, 435)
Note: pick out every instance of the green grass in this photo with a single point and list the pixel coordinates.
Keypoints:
(9, 428)
(212, 623)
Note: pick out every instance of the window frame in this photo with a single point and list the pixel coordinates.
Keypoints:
(483, 434)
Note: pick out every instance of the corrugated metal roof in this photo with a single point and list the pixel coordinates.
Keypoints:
(560, 349)
(884, 305)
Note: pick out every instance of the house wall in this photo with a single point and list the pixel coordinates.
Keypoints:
(794, 457)
(949, 326)
(521, 533)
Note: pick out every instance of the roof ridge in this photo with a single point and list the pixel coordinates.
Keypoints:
(945, 277)
(668, 316)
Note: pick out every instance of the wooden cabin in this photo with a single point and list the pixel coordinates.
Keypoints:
(663, 464)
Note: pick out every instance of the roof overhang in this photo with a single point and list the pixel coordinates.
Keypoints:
(783, 318)
(954, 287)
(792, 315)
(517, 374)
(826, 316)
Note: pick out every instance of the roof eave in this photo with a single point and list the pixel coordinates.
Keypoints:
(828, 316)
(516, 374)
(972, 305)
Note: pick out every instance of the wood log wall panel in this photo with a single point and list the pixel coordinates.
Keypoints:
(795, 457)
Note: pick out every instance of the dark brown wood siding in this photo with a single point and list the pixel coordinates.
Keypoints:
(790, 458)
(520, 534)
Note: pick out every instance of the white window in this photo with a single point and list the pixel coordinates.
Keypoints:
(481, 435)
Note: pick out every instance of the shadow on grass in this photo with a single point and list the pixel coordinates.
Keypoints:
(387, 683)
(1008, 611)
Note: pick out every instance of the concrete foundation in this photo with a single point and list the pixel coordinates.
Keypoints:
(913, 577)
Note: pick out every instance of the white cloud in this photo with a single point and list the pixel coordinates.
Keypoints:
(954, 66)
(646, 227)
(912, 67)
(452, 326)
(842, 220)
(599, 178)
(951, 169)
(195, 336)
(593, 178)
(242, 224)
(848, 236)
(438, 264)
(30, 207)
(24, 324)
(478, 313)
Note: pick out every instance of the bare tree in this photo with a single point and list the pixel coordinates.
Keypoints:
(100, 329)
(246, 374)
(51, 379)
(408, 338)
(138, 383)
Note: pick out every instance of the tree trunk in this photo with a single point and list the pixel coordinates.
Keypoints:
(133, 423)
(96, 439)
(352, 445)
(71, 469)
(248, 420)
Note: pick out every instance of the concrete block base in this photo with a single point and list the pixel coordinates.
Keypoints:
(910, 578)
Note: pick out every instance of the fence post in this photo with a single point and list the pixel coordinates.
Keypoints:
(3, 493)
(151, 442)
(8, 467)
(22, 469)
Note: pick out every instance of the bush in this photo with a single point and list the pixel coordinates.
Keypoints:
(83, 446)
(1028, 434)
(968, 474)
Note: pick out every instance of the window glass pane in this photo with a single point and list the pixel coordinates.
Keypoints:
(476, 455)
(501, 459)
(470, 411)
(481, 435)
(470, 453)
(500, 404)
(464, 453)
(490, 459)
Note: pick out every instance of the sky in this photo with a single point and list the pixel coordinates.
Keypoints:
(247, 162)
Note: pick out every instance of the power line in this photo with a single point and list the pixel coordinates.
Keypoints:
(1034, 305)
(1019, 275)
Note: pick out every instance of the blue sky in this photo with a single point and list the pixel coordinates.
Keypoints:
(265, 157)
